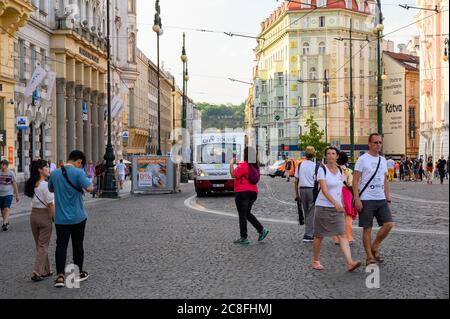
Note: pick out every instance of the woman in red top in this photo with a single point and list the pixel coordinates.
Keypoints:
(246, 194)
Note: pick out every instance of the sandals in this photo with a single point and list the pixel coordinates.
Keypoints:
(371, 261)
(36, 278)
(317, 266)
(60, 281)
(355, 266)
(376, 253)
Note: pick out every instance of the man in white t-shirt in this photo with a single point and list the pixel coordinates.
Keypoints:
(121, 170)
(374, 201)
(305, 176)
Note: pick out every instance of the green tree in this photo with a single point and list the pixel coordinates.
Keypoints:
(313, 138)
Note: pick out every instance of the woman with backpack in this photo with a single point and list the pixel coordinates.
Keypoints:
(329, 217)
(246, 177)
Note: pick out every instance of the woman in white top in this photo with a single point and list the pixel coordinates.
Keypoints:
(42, 214)
(329, 218)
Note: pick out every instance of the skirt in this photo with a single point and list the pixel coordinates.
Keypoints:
(328, 222)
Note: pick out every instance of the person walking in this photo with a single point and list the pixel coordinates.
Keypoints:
(287, 170)
(329, 217)
(90, 171)
(41, 218)
(391, 169)
(421, 171)
(305, 180)
(372, 198)
(8, 188)
(397, 170)
(430, 170)
(347, 198)
(121, 172)
(246, 177)
(67, 183)
(442, 165)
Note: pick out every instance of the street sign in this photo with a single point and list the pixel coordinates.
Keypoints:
(22, 123)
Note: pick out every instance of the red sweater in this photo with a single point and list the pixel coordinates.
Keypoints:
(241, 183)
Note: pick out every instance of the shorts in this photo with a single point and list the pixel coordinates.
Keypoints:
(6, 201)
(374, 208)
(121, 177)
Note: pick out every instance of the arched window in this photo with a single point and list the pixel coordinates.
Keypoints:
(305, 48)
(312, 74)
(132, 48)
(313, 100)
(322, 48)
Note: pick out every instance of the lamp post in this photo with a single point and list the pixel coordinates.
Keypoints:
(378, 30)
(157, 28)
(184, 175)
(109, 189)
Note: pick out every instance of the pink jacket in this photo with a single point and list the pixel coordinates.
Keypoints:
(241, 183)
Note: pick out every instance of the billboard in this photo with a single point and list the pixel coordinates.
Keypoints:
(394, 110)
(153, 174)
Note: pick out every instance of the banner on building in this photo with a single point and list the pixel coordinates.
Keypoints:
(85, 111)
(2, 138)
(51, 77)
(37, 78)
(116, 106)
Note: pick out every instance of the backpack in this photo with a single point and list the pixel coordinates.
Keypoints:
(316, 189)
(253, 174)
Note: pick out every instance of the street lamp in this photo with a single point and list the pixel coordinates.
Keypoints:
(378, 31)
(184, 174)
(109, 189)
(157, 28)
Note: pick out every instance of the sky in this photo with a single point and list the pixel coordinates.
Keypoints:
(216, 57)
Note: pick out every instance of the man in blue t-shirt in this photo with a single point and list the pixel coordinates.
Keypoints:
(68, 183)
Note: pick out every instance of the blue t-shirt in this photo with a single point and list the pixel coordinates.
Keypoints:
(68, 201)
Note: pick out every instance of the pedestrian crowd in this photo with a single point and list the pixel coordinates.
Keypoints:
(419, 169)
(329, 196)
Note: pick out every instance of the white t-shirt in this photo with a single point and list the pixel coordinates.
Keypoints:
(121, 168)
(335, 184)
(306, 173)
(367, 164)
(44, 195)
(390, 163)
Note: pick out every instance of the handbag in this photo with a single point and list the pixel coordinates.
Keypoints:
(370, 180)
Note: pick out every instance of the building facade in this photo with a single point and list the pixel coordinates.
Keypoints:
(13, 15)
(32, 47)
(434, 84)
(401, 105)
(295, 58)
(124, 59)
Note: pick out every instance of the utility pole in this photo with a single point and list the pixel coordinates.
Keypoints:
(379, 30)
(352, 115)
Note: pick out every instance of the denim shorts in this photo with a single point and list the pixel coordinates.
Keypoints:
(6, 201)
(378, 209)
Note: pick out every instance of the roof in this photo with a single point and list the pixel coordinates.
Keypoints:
(405, 60)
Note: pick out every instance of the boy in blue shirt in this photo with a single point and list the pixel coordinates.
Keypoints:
(68, 183)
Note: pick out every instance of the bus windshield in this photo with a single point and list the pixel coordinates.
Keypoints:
(218, 153)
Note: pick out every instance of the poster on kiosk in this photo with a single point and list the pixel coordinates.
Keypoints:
(153, 175)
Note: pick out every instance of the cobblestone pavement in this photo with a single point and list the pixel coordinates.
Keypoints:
(156, 247)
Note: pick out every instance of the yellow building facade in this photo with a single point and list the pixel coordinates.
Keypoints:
(13, 15)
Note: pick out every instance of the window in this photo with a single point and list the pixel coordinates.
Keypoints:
(33, 58)
(361, 73)
(361, 101)
(322, 48)
(313, 100)
(131, 6)
(305, 48)
(306, 4)
(321, 3)
(43, 6)
(280, 101)
(322, 22)
(263, 86)
(131, 48)
(348, 4)
(312, 73)
(300, 101)
(280, 78)
(361, 5)
(412, 122)
(21, 59)
(281, 130)
(306, 22)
